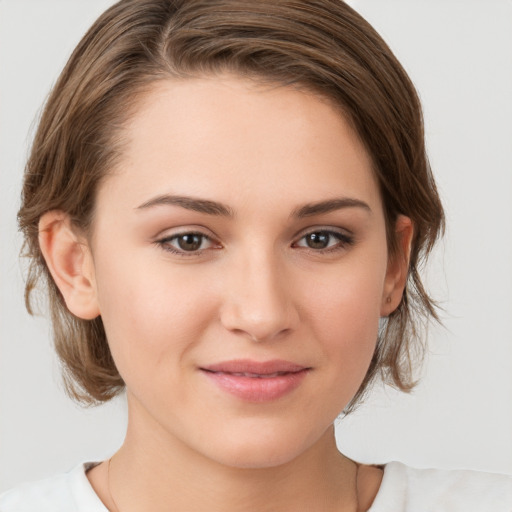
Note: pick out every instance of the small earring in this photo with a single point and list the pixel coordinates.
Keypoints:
(388, 300)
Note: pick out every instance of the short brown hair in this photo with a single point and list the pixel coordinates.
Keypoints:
(323, 46)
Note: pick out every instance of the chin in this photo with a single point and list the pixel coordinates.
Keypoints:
(266, 450)
(257, 457)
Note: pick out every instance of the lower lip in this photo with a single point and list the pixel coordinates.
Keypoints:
(257, 389)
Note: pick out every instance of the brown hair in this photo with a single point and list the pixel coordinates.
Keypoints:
(323, 46)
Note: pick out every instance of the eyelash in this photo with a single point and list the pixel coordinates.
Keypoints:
(343, 241)
(165, 243)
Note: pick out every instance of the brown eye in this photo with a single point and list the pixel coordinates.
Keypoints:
(189, 242)
(184, 243)
(318, 240)
(324, 240)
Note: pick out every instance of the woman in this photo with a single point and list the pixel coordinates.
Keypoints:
(226, 199)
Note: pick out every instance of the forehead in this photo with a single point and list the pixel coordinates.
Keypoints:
(228, 138)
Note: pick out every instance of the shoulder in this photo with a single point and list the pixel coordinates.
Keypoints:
(422, 490)
(61, 493)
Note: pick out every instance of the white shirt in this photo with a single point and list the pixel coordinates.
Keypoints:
(403, 489)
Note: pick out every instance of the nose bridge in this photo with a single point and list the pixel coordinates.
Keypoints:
(258, 301)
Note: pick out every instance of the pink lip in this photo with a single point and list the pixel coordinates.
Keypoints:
(255, 381)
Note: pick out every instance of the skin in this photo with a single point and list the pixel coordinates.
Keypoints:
(254, 290)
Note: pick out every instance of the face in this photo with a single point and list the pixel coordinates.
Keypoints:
(240, 266)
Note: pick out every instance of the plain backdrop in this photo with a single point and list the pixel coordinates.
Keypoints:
(459, 54)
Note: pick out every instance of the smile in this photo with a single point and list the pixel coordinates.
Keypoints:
(257, 375)
(255, 381)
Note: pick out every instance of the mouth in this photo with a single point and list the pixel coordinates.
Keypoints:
(254, 381)
(254, 375)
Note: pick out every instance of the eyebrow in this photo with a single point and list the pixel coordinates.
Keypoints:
(215, 208)
(189, 203)
(328, 206)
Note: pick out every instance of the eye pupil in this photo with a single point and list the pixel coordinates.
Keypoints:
(190, 242)
(317, 240)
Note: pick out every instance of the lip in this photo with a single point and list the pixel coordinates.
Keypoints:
(256, 381)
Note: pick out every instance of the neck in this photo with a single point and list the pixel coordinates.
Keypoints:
(156, 472)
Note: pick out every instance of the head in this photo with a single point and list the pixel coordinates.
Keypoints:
(319, 49)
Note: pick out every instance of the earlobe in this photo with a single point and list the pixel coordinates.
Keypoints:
(69, 260)
(398, 266)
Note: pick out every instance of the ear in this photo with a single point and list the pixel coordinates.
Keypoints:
(69, 260)
(398, 266)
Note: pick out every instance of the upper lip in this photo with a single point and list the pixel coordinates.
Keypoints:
(241, 366)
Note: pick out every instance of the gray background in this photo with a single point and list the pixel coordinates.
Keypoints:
(459, 54)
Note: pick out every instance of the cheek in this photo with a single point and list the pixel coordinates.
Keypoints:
(149, 314)
(345, 315)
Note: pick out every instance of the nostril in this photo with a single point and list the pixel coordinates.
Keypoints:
(262, 333)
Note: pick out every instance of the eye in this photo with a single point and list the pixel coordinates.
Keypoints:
(322, 240)
(186, 243)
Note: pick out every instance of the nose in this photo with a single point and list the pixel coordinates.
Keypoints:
(258, 299)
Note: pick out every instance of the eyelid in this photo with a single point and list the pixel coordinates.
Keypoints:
(324, 229)
(183, 229)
